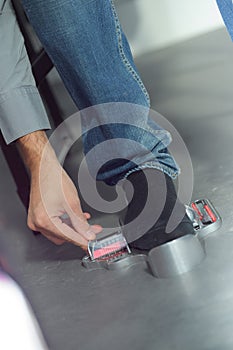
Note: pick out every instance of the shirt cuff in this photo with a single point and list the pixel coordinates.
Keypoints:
(21, 112)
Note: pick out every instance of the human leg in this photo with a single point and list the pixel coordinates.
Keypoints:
(87, 45)
(89, 49)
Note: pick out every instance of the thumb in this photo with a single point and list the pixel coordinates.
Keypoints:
(80, 223)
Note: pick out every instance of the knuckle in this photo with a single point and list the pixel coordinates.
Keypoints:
(30, 224)
(40, 220)
(59, 242)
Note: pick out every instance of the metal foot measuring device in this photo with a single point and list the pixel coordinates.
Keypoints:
(170, 259)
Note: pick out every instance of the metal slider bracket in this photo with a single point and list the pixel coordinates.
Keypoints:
(111, 253)
(204, 216)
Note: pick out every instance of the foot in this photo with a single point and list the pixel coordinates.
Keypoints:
(159, 197)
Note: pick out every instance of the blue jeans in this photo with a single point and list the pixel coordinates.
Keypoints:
(226, 9)
(86, 43)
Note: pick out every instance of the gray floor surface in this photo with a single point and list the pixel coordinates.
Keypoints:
(191, 85)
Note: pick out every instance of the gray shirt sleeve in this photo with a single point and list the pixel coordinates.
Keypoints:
(21, 108)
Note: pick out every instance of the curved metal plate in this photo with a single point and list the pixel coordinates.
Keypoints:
(120, 264)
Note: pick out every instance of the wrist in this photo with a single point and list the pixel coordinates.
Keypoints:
(32, 147)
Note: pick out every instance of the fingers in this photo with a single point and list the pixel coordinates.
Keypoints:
(53, 239)
(87, 215)
(80, 224)
(53, 233)
(96, 229)
(58, 232)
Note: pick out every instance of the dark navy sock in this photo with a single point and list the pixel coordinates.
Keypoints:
(155, 235)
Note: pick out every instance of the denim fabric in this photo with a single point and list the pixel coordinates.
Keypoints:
(85, 41)
(226, 9)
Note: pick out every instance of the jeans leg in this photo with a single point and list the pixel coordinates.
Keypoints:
(90, 51)
(83, 40)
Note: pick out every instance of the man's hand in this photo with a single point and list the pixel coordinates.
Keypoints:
(53, 196)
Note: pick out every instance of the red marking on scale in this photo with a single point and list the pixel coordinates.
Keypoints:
(210, 213)
(108, 250)
(197, 210)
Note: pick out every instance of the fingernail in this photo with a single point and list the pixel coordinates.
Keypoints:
(96, 228)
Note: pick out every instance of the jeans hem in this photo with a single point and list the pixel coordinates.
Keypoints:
(154, 165)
